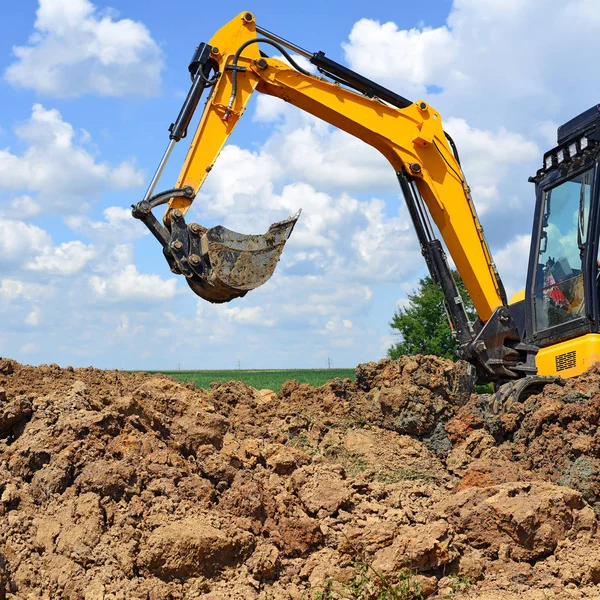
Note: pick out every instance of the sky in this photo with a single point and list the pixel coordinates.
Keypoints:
(88, 90)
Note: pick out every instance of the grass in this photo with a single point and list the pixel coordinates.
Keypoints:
(370, 583)
(459, 583)
(261, 379)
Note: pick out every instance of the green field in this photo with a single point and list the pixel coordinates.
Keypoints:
(261, 379)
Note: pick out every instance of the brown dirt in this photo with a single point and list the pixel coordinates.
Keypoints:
(118, 486)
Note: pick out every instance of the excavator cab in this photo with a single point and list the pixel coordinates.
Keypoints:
(561, 304)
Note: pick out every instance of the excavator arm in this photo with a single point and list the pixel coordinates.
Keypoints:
(409, 134)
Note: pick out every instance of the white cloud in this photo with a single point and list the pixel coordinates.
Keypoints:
(26, 246)
(34, 318)
(269, 109)
(487, 157)
(64, 174)
(76, 50)
(28, 348)
(336, 233)
(415, 57)
(20, 241)
(494, 61)
(11, 289)
(21, 207)
(332, 158)
(66, 259)
(125, 175)
(512, 261)
(547, 131)
(127, 284)
(250, 315)
(118, 226)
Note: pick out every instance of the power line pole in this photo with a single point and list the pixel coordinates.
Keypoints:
(239, 365)
(328, 362)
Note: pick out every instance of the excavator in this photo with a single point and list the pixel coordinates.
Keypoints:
(547, 332)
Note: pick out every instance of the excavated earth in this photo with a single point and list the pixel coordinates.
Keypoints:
(403, 484)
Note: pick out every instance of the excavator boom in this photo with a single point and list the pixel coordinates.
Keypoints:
(409, 134)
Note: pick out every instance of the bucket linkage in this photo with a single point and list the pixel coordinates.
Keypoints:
(218, 264)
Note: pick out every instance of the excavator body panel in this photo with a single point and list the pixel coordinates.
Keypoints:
(569, 358)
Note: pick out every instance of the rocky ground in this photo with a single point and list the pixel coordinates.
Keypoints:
(402, 485)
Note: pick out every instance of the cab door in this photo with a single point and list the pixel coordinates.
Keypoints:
(562, 284)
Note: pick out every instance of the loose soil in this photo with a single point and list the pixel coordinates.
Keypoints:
(402, 484)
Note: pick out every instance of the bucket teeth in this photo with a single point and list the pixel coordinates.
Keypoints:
(220, 264)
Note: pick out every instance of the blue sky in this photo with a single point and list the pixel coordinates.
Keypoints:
(89, 89)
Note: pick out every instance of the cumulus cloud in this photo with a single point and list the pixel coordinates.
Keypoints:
(250, 315)
(20, 241)
(15, 289)
(487, 157)
(77, 49)
(512, 261)
(336, 233)
(129, 285)
(26, 247)
(20, 207)
(329, 159)
(118, 226)
(491, 62)
(34, 318)
(66, 259)
(64, 174)
(417, 57)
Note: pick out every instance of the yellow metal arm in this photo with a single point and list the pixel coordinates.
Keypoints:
(412, 139)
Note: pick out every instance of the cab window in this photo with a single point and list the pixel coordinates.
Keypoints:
(559, 289)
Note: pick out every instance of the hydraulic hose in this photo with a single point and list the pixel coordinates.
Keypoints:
(236, 57)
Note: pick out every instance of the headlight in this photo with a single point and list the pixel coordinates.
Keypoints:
(560, 156)
(572, 149)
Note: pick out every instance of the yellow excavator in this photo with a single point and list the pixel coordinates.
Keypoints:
(550, 329)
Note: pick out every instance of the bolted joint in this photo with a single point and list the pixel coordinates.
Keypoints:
(504, 317)
(422, 105)
(480, 347)
(261, 63)
(176, 214)
(140, 209)
(415, 168)
(195, 228)
(176, 245)
(194, 259)
(188, 191)
(248, 17)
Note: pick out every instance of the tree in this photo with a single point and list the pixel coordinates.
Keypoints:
(423, 324)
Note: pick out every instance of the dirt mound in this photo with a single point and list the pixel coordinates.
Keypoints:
(117, 486)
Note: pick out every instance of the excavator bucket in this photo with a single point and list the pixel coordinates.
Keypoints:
(227, 265)
(218, 264)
